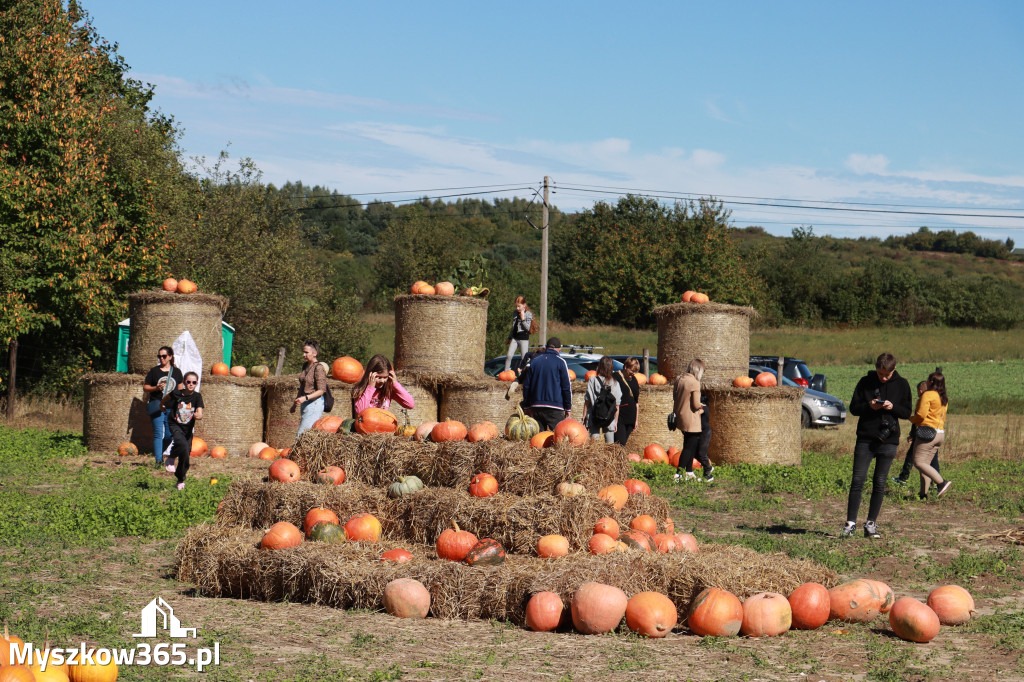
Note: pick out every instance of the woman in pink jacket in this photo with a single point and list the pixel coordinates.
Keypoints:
(379, 387)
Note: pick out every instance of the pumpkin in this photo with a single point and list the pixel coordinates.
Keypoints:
(552, 546)
(486, 552)
(238, 371)
(715, 613)
(636, 486)
(667, 543)
(521, 427)
(644, 522)
(616, 495)
(454, 544)
(281, 536)
(607, 526)
(284, 452)
(952, 604)
(53, 673)
(376, 420)
(742, 382)
(765, 379)
(856, 601)
(335, 475)
(483, 485)
(687, 295)
(507, 375)
(17, 673)
(170, 284)
(417, 285)
(600, 543)
(407, 431)
(256, 448)
(406, 598)
(218, 452)
(448, 430)
(405, 485)
(423, 431)
(699, 298)
(269, 453)
(651, 614)
(687, 542)
(482, 431)
(572, 375)
(318, 515)
(766, 614)
(544, 439)
(885, 594)
(399, 556)
(6, 639)
(199, 447)
(93, 672)
(633, 457)
(657, 379)
(347, 425)
(913, 621)
(363, 527)
(127, 449)
(428, 290)
(285, 471)
(259, 371)
(567, 489)
(544, 612)
(444, 289)
(597, 608)
(186, 286)
(590, 375)
(810, 606)
(219, 369)
(572, 431)
(641, 378)
(636, 538)
(328, 533)
(347, 369)
(655, 453)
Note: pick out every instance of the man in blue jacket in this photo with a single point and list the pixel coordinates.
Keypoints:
(546, 389)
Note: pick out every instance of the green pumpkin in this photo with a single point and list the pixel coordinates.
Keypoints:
(405, 485)
(521, 427)
(487, 552)
(259, 371)
(331, 533)
(347, 426)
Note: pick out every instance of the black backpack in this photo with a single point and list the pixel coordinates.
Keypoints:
(604, 407)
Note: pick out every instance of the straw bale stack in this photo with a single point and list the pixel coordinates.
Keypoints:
(472, 399)
(424, 396)
(655, 404)
(755, 425)
(159, 317)
(282, 422)
(440, 333)
(224, 561)
(232, 412)
(716, 333)
(115, 411)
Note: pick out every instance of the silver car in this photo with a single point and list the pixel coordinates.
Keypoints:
(817, 408)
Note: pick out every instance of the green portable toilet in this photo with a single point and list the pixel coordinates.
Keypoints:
(227, 333)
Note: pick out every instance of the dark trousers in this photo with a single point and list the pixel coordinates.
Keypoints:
(622, 433)
(691, 451)
(181, 449)
(547, 417)
(705, 437)
(908, 462)
(863, 452)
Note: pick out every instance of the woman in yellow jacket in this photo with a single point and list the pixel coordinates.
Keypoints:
(931, 412)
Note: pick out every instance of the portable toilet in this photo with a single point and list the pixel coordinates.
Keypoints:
(123, 331)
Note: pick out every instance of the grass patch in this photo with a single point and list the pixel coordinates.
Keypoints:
(1006, 626)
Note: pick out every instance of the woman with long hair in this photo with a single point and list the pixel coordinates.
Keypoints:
(312, 386)
(519, 335)
(930, 416)
(629, 408)
(688, 411)
(160, 381)
(601, 402)
(379, 386)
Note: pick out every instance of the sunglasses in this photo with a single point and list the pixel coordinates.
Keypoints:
(163, 355)
(191, 383)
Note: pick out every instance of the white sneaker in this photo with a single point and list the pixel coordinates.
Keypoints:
(690, 476)
(677, 479)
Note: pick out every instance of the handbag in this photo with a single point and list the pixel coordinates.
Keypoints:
(925, 434)
(671, 421)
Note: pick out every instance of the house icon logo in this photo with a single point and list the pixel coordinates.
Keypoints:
(158, 611)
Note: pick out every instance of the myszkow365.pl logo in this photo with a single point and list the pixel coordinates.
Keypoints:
(156, 615)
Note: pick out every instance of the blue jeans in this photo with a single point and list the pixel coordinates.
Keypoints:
(311, 411)
(161, 434)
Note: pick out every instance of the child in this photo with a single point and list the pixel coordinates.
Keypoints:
(186, 406)
(379, 386)
(908, 463)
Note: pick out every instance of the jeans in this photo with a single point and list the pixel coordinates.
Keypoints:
(181, 449)
(161, 434)
(524, 347)
(609, 436)
(863, 452)
(311, 411)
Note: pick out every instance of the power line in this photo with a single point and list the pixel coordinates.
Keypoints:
(417, 199)
(407, 191)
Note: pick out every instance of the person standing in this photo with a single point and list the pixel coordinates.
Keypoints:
(160, 381)
(908, 460)
(546, 386)
(519, 335)
(629, 408)
(881, 398)
(931, 416)
(312, 386)
(688, 409)
(601, 402)
(379, 387)
(186, 408)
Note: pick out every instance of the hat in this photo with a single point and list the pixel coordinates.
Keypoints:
(554, 342)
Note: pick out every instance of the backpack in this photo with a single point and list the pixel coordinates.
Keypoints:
(328, 399)
(604, 407)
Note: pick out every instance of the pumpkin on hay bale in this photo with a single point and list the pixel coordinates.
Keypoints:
(159, 317)
(282, 421)
(755, 426)
(224, 561)
(232, 412)
(440, 333)
(716, 333)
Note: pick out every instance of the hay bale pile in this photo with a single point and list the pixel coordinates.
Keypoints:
(115, 411)
(440, 333)
(473, 399)
(716, 333)
(282, 421)
(232, 412)
(655, 404)
(755, 425)
(159, 317)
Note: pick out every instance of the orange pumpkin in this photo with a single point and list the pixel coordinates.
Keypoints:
(590, 375)
(281, 536)
(572, 431)
(127, 449)
(423, 431)
(238, 371)
(913, 621)
(444, 289)
(552, 546)
(284, 470)
(285, 452)
(318, 515)
(641, 378)
(667, 543)
(616, 495)
(427, 290)
(417, 286)
(810, 606)
(170, 284)
(651, 614)
(269, 453)
(699, 298)
(602, 544)
(742, 382)
(597, 608)
(658, 379)
(885, 594)
(635, 485)
(334, 473)
(218, 452)
(219, 369)
(952, 604)
(483, 485)
(715, 613)
(507, 375)
(376, 420)
(765, 379)
(406, 598)
(544, 439)
(644, 522)
(572, 375)
(186, 286)
(633, 457)
(687, 295)
(607, 526)
(636, 538)
(363, 527)
(448, 430)
(93, 672)
(687, 542)
(656, 453)
(328, 423)
(347, 369)
(766, 614)
(544, 612)
(856, 601)
(399, 556)
(6, 639)
(199, 447)
(454, 544)
(256, 448)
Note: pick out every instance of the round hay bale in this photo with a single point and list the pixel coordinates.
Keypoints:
(440, 333)
(473, 400)
(282, 422)
(579, 393)
(422, 394)
(716, 333)
(115, 411)
(159, 317)
(755, 425)
(655, 404)
(232, 412)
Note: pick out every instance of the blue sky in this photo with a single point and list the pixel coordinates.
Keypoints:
(915, 104)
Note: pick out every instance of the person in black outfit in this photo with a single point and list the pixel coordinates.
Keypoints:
(629, 408)
(186, 407)
(880, 399)
(160, 381)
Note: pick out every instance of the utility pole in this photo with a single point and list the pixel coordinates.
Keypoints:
(544, 265)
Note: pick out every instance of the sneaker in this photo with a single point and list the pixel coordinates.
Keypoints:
(897, 481)
(181, 486)
(677, 479)
(944, 487)
(709, 475)
(170, 467)
(849, 529)
(871, 530)
(690, 476)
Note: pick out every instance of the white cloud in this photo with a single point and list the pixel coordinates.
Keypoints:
(864, 164)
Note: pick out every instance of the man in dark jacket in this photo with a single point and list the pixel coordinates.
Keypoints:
(546, 388)
(881, 398)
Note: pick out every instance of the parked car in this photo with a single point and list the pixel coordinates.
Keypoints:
(817, 407)
(793, 369)
(578, 361)
(653, 361)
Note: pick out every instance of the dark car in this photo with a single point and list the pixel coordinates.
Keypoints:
(652, 361)
(817, 408)
(579, 362)
(794, 370)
